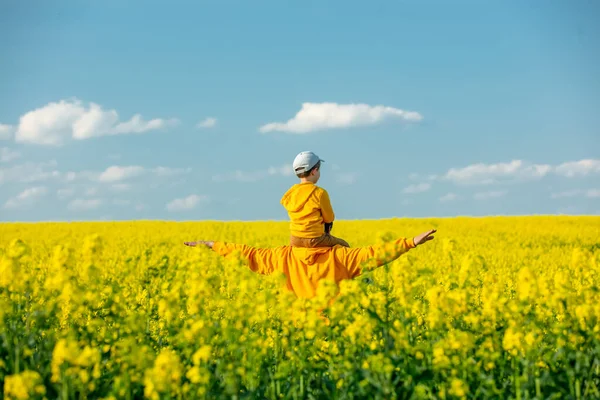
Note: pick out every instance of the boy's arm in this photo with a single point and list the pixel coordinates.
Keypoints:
(326, 209)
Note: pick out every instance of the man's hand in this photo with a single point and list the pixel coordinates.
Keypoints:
(424, 237)
(200, 242)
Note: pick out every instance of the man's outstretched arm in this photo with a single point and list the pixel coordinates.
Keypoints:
(265, 261)
(261, 261)
(369, 258)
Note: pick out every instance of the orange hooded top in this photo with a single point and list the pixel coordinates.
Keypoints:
(309, 208)
(305, 267)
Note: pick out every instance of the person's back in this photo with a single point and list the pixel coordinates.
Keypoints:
(309, 209)
(309, 206)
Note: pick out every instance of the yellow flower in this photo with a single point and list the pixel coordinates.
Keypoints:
(512, 340)
(197, 375)
(24, 385)
(440, 359)
(129, 306)
(458, 388)
(18, 249)
(165, 376)
(202, 355)
(530, 339)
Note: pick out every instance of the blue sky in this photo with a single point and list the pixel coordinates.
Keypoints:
(195, 110)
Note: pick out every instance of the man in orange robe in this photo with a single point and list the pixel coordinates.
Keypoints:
(305, 267)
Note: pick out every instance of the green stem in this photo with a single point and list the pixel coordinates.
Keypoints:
(273, 385)
(65, 389)
(16, 341)
(17, 358)
(516, 378)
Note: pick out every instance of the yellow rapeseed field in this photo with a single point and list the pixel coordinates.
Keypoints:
(496, 307)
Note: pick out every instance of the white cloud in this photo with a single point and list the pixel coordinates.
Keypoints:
(8, 155)
(102, 188)
(254, 176)
(448, 197)
(26, 198)
(591, 193)
(29, 172)
(166, 171)
(112, 180)
(516, 170)
(84, 204)
(346, 178)
(186, 203)
(321, 116)
(568, 193)
(482, 174)
(65, 193)
(284, 170)
(418, 188)
(6, 131)
(121, 202)
(489, 195)
(92, 191)
(116, 173)
(569, 210)
(73, 176)
(137, 125)
(137, 206)
(418, 177)
(56, 122)
(120, 187)
(578, 168)
(240, 176)
(81, 190)
(207, 123)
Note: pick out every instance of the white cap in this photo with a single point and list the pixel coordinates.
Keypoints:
(305, 161)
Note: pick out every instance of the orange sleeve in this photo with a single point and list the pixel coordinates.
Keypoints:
(326, 208)
(261, 261)
(360, 259)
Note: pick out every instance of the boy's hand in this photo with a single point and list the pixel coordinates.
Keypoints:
(424, 237)
(199, 242)
(328, 227)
